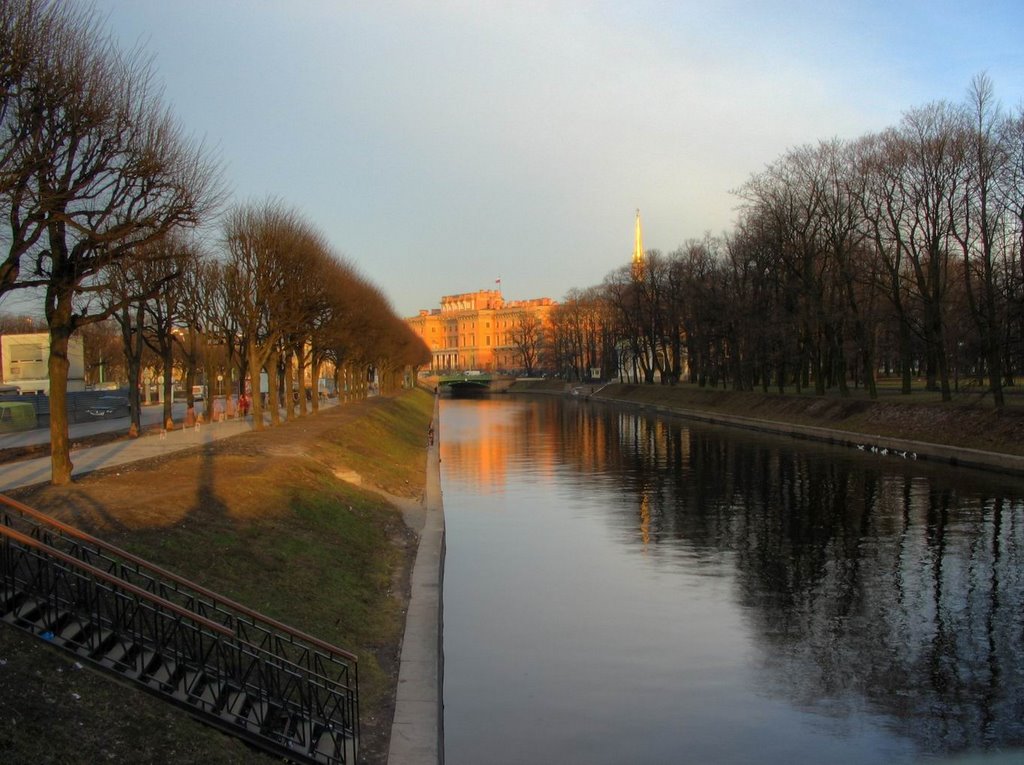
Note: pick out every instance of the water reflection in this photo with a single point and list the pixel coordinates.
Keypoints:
(867, 582)
(880, 596)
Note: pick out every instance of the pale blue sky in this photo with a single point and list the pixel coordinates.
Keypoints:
(442, 145)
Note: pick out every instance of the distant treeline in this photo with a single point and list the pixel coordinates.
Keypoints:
(896, 253)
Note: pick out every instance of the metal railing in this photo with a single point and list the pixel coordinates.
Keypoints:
(233, 667)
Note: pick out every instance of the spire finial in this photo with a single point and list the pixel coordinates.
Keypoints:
(638, 249)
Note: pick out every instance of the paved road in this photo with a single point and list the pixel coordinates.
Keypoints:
(88, 459)
(151, 415)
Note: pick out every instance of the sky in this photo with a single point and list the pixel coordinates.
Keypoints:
(442, 146)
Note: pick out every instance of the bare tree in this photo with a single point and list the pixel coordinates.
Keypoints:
(143, 295)
(11, 324)
(28, 33)
(191, 334)
(126, 294)
(980, 229)
(622, 296)
(528, 337)
(1011, 185)
(163, 265)
(100, 170)
(845, 243)
(882, 162)
(932, 182)
(271, 251)
(788, 195)
(223, 337)
(104, 353)
(579, 333)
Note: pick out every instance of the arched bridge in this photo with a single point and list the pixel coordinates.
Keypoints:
(466, 383)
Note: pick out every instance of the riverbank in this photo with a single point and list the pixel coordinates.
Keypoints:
(299, 521)
(967, 431)
(417, 732)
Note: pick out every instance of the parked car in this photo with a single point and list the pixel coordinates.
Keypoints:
(109, 406)
(16, 415)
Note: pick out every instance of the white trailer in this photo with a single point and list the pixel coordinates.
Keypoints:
(24, 362)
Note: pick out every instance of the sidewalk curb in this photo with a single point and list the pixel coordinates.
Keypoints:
(940, 453)
(417, 731)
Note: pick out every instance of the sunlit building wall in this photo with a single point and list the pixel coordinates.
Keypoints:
(478, 330)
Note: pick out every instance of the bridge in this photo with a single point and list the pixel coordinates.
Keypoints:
(466, 383)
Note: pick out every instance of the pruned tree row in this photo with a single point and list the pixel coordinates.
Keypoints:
(103, 194)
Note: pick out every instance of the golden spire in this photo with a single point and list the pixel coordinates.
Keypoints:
(638, 250)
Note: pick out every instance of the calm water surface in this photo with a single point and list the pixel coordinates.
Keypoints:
(624, 589)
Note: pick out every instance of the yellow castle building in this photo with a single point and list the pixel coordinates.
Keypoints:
(480, 330)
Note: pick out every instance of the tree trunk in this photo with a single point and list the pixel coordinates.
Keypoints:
(254, 381)
(315, 374)
(135, 391)
(817, 365)
(58, 365)
(131, 338)
(994, 357)
(840, 367)
(869, 374)
(288, 384)
(273, 388)
(190, 382)
(938, 365)
(300, 378)
(168, 362)
(906, 361)
(943, 364)
(210, 372)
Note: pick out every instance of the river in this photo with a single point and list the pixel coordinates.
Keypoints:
(625, 588)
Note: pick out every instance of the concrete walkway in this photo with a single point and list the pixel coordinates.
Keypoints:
(150, 444)
(417, 732)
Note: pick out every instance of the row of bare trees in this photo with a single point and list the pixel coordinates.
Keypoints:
(270, 298)
(100, 187)
(897, 252)
(913, 233)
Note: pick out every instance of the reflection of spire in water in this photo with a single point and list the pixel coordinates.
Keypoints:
(645, 518)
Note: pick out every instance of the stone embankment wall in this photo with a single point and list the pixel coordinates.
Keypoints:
(919, 431)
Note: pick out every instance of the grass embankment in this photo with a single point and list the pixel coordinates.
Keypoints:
(540, 386)
(969, 421)
(286, 521)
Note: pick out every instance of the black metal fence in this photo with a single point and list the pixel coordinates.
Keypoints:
(278, 688)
